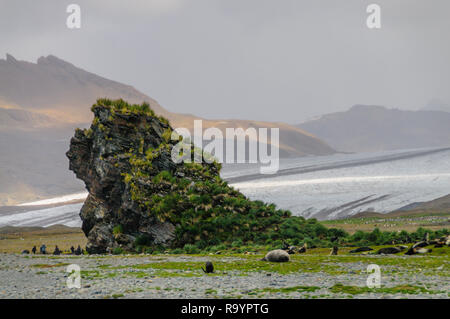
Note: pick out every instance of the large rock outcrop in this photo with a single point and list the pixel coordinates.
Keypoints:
(100, 156)
(139, 197)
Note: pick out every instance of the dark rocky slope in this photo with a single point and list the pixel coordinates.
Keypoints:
(139, 197)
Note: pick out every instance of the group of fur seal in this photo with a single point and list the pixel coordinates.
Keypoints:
(417, 248)
(282, 255)
(292, 249)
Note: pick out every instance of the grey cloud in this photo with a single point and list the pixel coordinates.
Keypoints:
(280, 60)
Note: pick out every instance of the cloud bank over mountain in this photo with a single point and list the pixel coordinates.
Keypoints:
(256, 59)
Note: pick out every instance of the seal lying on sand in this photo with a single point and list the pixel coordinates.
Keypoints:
(277, 255)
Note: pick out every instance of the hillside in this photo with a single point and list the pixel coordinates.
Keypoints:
(376, 128)
(40, 105)
(59, 89)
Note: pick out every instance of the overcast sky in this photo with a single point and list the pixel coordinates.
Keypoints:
(277, 60)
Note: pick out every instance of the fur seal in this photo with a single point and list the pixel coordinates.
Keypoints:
(414, 251)
(302, 249)
(423, 251)
(420, 244)
(289, 249)
(276, 255)
(389, 250)
(209, 268)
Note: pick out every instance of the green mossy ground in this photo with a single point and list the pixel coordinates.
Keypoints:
(316, 260)
(314, 274)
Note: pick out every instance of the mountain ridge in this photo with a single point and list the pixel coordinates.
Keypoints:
(82, 88)
(365, 128)
(55, 87)
(40, 105)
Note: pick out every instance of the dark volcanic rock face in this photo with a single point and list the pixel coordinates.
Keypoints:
(100, 156)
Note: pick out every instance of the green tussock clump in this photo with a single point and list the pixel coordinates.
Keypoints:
(208, 212)
(124, 107)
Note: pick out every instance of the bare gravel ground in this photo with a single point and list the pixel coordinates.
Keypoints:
(236, 276)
